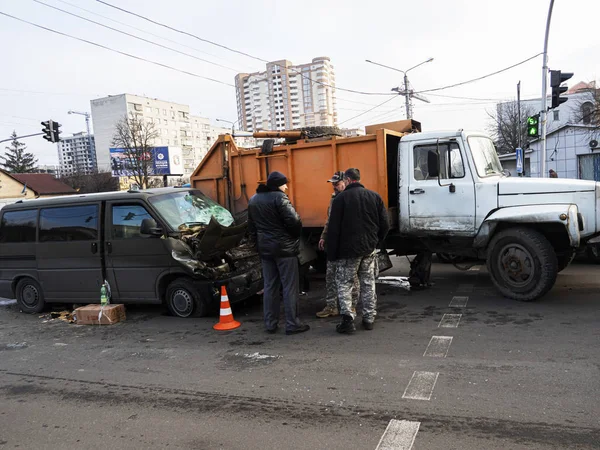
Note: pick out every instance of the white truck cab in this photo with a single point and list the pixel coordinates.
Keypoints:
(456, 198)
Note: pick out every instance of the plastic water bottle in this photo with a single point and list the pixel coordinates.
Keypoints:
(103, 295)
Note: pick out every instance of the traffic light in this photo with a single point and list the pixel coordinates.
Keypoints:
(47, 130)
(556, 79)
(51, 131)
(533, 126)
(56, 131)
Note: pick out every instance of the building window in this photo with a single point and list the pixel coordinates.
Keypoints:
(149, 109)
(587, 111)
(164, 112)
(556, 114)
(157, 110)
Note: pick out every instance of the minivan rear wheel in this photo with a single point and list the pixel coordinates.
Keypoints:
(184, 300)
(30, 296)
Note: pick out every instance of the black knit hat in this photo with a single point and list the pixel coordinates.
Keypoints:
(276, 179)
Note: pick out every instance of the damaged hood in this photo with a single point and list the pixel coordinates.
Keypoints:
(215, 239)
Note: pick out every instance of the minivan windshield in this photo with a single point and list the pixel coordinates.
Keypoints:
(485, 156)
(189, 208)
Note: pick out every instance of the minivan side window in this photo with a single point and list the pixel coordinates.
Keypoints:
(18, 226)
(70, 223)
(127, 221)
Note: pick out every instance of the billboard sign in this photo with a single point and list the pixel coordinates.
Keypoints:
(161, 161)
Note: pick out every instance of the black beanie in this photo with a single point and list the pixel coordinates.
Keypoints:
(276, 179)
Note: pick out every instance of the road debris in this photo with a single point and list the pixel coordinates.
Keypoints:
(401, 282)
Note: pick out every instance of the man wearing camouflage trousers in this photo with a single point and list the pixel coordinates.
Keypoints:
(338, 181)
(357, 223)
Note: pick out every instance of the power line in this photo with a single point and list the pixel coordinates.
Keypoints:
(466, 98)
(139, 58)
(368, 110)
(475, 79)
(140, 29)
(238, 51)
(136, 37)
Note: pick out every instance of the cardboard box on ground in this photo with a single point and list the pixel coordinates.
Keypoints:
(88, 315)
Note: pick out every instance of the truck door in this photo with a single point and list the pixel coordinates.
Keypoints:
(69, 254)
(134, 260)
(442, 205)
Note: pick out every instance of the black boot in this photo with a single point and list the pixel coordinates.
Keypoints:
(347, 325)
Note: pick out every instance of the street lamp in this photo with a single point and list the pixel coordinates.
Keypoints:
(408, 94)
(229, 121)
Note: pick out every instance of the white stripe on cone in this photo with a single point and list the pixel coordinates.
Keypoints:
(226, 311)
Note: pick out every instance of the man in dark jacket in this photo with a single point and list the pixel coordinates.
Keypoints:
(276, 228)
(357, 223)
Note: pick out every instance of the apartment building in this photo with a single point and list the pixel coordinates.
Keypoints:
(76, 155)
(287, 96)
(175, 125)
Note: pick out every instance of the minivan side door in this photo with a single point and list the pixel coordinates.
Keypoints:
(69, 259)
(135, 260)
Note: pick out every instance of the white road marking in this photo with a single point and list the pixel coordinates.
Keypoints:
(438, 346)
(450, 321)
(421, 386)
(459, 302)
(465, 288)
(399, 435)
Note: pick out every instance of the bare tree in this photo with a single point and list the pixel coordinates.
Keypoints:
(506, 125)
(136, 138)
(95, 182)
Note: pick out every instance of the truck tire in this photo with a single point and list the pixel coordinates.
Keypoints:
(184, 300)
(564, 259)
(30, 296)
(522, 264)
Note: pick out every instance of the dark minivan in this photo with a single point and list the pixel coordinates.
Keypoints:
(168, 245)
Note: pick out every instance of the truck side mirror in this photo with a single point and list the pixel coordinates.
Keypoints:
(150, 227)
(433, 164)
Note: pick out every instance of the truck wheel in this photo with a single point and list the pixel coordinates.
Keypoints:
(564, 259)
(522, 263)
(184, 300)
(30, 296)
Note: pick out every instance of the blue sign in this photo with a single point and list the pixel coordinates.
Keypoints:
(124, 163)
(519, 154)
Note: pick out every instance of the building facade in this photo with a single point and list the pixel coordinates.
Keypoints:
(76, 155)
(286, 96)
(572, 136)
(175, 126)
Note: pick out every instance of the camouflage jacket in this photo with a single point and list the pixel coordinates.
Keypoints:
(324, 233)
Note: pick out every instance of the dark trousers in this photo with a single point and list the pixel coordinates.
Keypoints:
(278, 273)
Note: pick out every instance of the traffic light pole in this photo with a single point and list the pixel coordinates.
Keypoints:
(544, 111)
(21, 137)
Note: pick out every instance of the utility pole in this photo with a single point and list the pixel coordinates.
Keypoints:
(519, 113)
(89, 136)
(407, 92)
(544, 111)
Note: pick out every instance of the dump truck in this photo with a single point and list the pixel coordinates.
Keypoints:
(445, 192)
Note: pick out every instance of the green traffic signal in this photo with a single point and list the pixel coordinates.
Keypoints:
(533, 125)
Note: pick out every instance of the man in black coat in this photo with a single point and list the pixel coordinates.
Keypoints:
(275, 226)
(357, 223)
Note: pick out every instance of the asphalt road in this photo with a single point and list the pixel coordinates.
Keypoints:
(502, 375)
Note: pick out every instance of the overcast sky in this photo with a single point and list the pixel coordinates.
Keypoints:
(44, 75)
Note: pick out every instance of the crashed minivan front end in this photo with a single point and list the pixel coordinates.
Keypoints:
(209, 245)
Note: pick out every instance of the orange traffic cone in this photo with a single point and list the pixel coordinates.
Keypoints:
(226, 321)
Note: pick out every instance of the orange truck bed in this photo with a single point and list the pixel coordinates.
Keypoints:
(230, 175)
